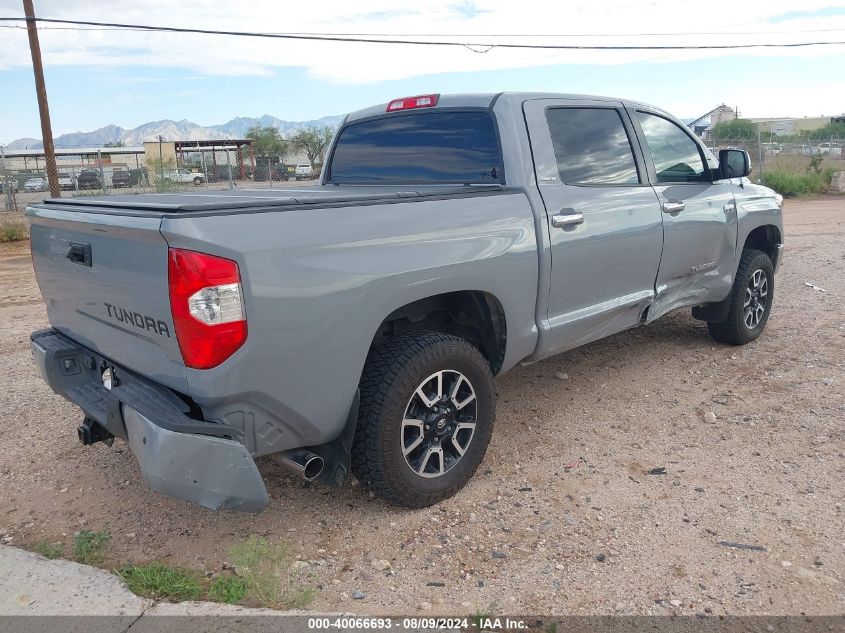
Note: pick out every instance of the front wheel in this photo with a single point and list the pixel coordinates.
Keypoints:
(751, 300)
(427, 410)
(198, 181)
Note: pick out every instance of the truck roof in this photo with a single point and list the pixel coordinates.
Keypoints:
(487, 99)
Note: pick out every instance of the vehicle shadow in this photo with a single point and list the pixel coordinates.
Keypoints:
(676, 336)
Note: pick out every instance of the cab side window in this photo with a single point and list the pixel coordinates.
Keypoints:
(591, 146)
(676, 156)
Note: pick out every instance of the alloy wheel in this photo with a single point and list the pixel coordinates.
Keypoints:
(439, 423)
(756, 299)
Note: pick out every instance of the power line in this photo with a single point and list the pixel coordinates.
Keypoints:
(511, 35)
(371, 40)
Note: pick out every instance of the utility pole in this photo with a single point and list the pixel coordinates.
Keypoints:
(160, 160)
(7, 183)
(41, 93)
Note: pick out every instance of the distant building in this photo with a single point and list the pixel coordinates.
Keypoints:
(722, 114)
(786, 126)
(215, 156)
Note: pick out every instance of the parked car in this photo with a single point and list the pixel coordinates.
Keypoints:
(121, 178)
(351, 327)
(304, 171)
(89, 179)
(183, 176)
(35, 184)
(218, 173)
(772, 149)
(67, 182)
(830, 149)
(281, 172)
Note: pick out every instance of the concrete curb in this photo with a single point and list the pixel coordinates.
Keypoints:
(31, 585)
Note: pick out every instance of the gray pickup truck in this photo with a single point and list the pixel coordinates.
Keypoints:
(356, 325)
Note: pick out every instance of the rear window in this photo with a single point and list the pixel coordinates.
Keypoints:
(423, 147)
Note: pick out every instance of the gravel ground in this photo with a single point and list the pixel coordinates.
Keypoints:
(562, 516)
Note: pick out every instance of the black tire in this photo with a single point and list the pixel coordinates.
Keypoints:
(389, 383)
(735, 330)
(197, 181)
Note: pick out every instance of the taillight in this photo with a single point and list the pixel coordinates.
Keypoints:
(207, 307)
(411, 103)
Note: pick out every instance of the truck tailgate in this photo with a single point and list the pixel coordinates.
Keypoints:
(104, 279)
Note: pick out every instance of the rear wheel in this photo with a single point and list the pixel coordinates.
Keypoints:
(197, 181)
(751, 300)
(426, 417)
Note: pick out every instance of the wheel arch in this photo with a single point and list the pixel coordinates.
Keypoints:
(763, 237)
(766, 238)
(474, 315)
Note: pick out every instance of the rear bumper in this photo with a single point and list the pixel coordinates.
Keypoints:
(201, 462)
(211, 471)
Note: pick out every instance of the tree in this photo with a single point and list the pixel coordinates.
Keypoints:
(115, 144)
(735, 129)
(831, 130)
(268, 144)
(313, 142)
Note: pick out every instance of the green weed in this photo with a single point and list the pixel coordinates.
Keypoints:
(89, 547)
(49, 550)
(792, 183)
(160, 581)
(228, 589)
(267, 574)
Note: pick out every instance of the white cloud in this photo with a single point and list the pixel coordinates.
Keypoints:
(362, 63)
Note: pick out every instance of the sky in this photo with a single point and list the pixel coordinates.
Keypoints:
(97, 77)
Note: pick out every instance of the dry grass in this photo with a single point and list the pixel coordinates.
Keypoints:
(13, 227)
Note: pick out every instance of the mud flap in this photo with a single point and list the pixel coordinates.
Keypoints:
(713, 312)
(337, 453)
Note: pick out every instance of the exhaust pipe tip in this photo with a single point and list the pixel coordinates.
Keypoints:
(300, 462)
(313, 468)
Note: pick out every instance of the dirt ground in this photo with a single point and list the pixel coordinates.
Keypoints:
(601, 536)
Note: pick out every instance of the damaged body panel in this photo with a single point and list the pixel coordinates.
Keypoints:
(179, 456)
(213, 472)
(699, 246)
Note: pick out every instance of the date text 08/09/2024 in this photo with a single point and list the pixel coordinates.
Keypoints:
(481, 623)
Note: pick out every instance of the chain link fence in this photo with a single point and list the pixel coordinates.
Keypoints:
(161, 167)
(792, 165)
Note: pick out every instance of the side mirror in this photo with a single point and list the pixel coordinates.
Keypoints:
(734, 163)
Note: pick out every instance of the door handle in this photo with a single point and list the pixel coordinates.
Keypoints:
(560, 221)
(673, 206)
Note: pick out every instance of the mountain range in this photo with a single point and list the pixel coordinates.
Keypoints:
(183, 130)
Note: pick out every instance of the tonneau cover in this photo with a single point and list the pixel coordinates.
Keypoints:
(236, 199)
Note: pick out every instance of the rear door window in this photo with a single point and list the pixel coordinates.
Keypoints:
(422, 147)
(591, 146)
